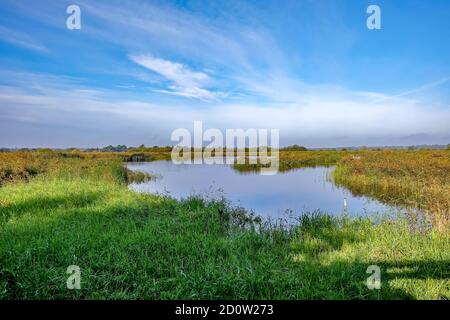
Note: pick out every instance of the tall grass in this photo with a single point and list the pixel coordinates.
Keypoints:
(22, 166)
(418, 181)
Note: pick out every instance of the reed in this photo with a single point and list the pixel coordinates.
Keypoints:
(418, 181)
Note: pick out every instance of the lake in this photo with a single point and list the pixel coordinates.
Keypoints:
(269, 196)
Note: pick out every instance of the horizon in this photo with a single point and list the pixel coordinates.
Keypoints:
(136, 71)
(424, 146)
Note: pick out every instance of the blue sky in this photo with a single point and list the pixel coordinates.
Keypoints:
(137, 70)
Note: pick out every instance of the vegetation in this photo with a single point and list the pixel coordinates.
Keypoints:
(294, 147)
(23, 165)
(290, 160)
(75, 209)
(418, 181)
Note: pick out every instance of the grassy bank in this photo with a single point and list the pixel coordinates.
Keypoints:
(130, 245)
(24, 165)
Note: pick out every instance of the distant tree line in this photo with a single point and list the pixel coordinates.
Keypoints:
(141, 148)
(118, 148)
(294, 147)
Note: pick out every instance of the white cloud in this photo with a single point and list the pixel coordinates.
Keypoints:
(184, 82)
(424, 87)
(171, 70)
(334, 118)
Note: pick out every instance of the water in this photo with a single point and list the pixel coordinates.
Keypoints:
(274, 196)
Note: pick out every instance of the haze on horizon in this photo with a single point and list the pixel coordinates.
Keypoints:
(137, 70)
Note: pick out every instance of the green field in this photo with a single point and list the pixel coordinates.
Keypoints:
(62, 209)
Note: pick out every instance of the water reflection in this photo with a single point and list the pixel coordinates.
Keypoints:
(295, 191)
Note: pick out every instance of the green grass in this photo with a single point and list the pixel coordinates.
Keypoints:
(133, 246)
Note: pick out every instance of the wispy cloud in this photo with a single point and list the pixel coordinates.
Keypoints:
(183, 81)
(423, 87)
(376, 97)
(333, 120)
(21, 39)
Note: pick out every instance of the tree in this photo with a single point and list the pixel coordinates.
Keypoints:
(294, 147)
(119, 148)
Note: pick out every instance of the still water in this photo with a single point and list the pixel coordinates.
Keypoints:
(269, 196)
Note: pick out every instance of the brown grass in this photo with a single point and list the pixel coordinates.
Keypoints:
(21, 166)
(418, 181)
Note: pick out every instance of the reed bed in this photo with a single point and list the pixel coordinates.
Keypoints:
(24, 165)
(418, 181)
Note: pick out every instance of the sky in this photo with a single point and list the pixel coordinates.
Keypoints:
(138, 70)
